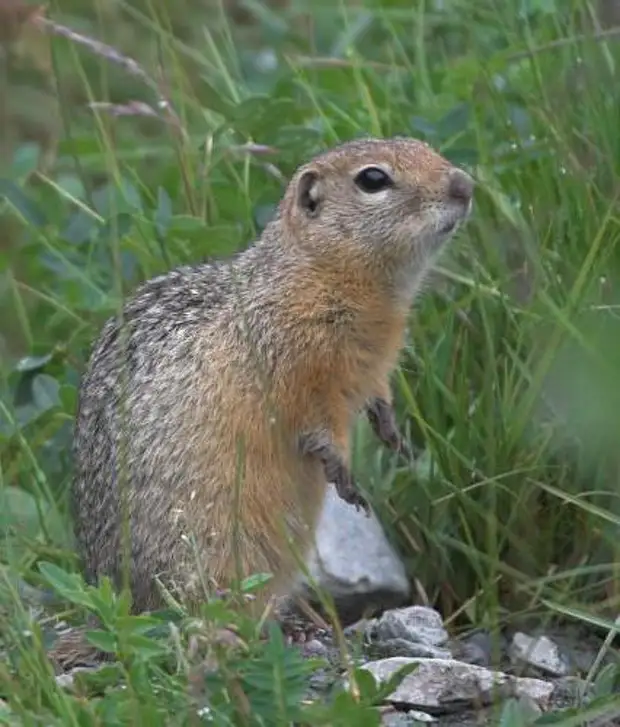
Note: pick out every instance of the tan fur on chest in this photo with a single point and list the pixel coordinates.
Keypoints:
(357, 333)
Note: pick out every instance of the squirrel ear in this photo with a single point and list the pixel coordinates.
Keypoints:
(309, 192)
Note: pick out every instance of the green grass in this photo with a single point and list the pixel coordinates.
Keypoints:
(509, 384)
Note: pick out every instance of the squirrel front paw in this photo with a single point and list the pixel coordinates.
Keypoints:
(346, 487)
(318, 444)
(383, 423)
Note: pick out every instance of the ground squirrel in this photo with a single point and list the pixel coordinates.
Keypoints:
(226, 398)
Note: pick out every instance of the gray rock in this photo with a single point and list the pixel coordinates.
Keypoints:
(314, 648)
(539, 652)
(475, 649)
(353, 561)
(444, 685)
(415, 631)
(358, 628)
(572, 691)
(419, 624)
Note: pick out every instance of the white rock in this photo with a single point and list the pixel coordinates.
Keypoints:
(540, 652)
(353, 560)
(445, 685)
(66, 680)
(406, 719)
(418, 716)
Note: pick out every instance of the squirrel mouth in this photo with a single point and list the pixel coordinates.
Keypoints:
(455, 220)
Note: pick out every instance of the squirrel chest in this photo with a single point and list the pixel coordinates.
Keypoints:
(345, 349)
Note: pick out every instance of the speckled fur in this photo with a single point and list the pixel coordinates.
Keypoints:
(292, 335)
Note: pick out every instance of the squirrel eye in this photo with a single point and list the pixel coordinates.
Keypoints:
(373, 179)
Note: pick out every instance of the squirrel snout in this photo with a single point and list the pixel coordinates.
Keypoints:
(460, 186)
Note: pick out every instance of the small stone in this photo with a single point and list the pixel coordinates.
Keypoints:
(418, 716)
(416, 624)
(66, 680)
(444, 685)
(415, 631)
(541, 653)
(314, 648)
(406, 719)
(321, 681)
(476, 649)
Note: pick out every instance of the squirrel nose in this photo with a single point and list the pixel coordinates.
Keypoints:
(460, 186)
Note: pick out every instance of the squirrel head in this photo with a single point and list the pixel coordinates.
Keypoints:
(391, 202)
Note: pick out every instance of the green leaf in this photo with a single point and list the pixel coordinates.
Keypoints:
(79, 228)
(102, 605)
(607, 681)
(347, 711)
(455, 121)
(263, 214)
(367, 685)
(255, 582)
(163, 215)
(111, 199)
(254, 116)
(18, 508)
(99, 680)
(116, 228)
(71, 185)
(462, 156)
(103, 640)
(214, 99)
(32, 363)
(137, 624)
(45, 390)
(300, 141)
(22, 203)
(25, 160)
(7, 716)
(22, 416)
(186, 223)
(68, 397)
(423, 126)
(68, 585)
(144, 646)
(217, 240)
(517, 714)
